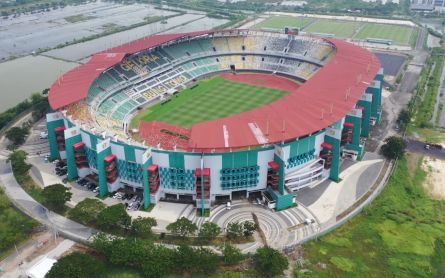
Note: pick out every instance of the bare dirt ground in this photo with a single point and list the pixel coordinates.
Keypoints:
(436, 173)
(39, 244)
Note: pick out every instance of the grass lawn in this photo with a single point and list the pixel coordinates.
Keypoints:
(78, 18)
(15, 227)
(397, 33)
(341, 29)
(284, 21)
(212, 99)
(427, 134)
(401, 234)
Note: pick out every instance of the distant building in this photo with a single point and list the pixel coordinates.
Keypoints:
(384, 1)
(428, 5)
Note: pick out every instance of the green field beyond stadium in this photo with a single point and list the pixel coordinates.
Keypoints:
(399, 34)
(210, 99)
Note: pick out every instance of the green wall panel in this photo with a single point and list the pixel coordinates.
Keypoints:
(54, 151)
(129, 153)
(239, 159)
(176, 159)
(71, 162)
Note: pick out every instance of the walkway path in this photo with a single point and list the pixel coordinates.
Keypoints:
(31, 207)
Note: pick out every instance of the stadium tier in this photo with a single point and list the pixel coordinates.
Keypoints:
(283, 113)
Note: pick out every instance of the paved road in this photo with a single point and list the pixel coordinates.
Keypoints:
(419, 147)
(27, 204)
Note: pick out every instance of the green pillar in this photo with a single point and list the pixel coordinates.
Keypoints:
(72, 136)
(355, 117)
(103, 150)
(202, 187)
(366, 102)
(281, 156)
(376, 90)
(53, 120)
(380, 76)
(147, 160)
(333, 136)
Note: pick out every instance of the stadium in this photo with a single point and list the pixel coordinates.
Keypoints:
(206, 117)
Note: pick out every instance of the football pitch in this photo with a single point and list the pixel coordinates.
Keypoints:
(341, 29)
(284, 21)
(399, 34)
(209, 100)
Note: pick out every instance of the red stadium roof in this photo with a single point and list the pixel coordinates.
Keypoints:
(74, 85)
(322, 100)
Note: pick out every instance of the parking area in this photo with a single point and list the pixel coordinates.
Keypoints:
(132, 198)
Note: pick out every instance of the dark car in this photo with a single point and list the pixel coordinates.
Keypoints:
(82, 182)
(61, 174)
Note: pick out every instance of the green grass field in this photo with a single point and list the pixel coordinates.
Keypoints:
(344, 29)
(397, 33)
(212, 99)
(401, 234)
(341, 29)
(284, 21)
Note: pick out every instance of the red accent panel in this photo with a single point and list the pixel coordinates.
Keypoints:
(152, 168)
(327, 146)
(274, 165)
(60, 128)
(110, 158)
(206, 172)
(348, 125)
(79, 145)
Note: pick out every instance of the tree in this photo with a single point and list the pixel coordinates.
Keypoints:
(196, 259)
(17, 135)
(185, 258)
(159, 262)
(87, 210)
(18, 163)
(209, 231)
(207, 260)
(394, 147)
(182, 227)
(234, 230)
(56, 195)
(270, 262)
(231, 254)
(127, 252)
(404, 117)
(114, 217)
(76, 265)
(142, 226)
(249, 228)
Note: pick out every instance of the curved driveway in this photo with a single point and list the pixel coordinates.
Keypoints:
(31, 207)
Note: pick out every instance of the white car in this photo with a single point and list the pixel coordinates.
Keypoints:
(95, 190)
(43, 135)
(118, 195)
